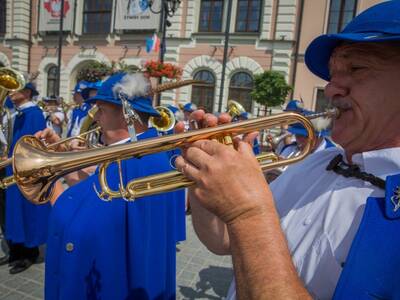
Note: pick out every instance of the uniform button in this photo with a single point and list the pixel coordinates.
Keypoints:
(69, 247)
(307, 221)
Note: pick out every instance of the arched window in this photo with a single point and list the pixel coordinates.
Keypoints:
(203, 94)
(239, 89)
(52, 81)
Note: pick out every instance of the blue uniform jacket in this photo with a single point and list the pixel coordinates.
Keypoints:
(78, 113)
(373, 262)
(118, 249)
(25, 222)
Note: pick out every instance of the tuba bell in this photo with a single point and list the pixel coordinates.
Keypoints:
(11, 81)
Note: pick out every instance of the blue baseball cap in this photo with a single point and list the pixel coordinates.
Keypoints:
(379, 23)
(244, 115)
(189, 107)
(30, 86)
(81, 85)
(298, 128)
(295, 105)
(142, 103)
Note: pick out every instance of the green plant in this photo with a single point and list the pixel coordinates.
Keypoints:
(94, 71)
(270, 88)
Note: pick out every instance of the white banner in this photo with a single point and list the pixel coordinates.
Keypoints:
(50, 11)
(136, 15)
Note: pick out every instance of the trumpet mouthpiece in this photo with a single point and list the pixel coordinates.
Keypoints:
(324, 119)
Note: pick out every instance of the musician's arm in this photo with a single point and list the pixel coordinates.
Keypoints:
(211, 231)
(262, 262)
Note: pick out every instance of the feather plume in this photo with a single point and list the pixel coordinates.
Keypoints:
(321, 123)
(133, 85)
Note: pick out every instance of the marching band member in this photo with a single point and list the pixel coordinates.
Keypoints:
(331, 228)
(83, 91)
(26, 224)
(188, 108)
(53, 114)
(118, 249)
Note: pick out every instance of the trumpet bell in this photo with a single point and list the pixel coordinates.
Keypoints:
(165, 122)
(235, 109)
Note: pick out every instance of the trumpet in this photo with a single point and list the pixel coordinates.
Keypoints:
(83, 137)
(165, 122)
(36, 169)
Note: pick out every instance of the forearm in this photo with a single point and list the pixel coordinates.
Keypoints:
(209, 228)
(262, 263)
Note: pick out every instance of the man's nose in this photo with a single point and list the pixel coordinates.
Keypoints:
(337, 87)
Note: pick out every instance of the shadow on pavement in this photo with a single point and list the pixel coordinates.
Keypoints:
(213, 284)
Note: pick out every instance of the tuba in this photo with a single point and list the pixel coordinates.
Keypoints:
(11, 81)
(36, 169)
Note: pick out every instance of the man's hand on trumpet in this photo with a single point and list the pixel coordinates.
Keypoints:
(48, 136)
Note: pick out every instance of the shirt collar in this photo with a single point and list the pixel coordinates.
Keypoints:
(381, 163)
(26, 105)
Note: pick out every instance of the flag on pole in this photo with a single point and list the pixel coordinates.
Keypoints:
(153, 44)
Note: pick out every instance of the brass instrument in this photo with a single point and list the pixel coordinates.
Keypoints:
(36, 169)
(235, 109)
(11, 81)
(83, 137)
(165, 122)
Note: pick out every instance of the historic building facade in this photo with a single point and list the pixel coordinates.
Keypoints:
(263, 36)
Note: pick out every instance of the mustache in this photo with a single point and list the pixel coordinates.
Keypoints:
(340, 103)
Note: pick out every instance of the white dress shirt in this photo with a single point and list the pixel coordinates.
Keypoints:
(320, 213)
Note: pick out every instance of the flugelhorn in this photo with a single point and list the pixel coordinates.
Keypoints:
(36, 169)
(83, 137)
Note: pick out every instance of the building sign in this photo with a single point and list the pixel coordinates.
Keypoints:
(136, 15)
(50, 11)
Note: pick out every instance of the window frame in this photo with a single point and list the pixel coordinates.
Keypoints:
(48, 78)
(239, 89)
(3, 21)
(209, 23)
(340, 24)
(249, 2)
(97, 12)
(204, 87)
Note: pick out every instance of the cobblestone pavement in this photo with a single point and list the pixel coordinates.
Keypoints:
(200, 274)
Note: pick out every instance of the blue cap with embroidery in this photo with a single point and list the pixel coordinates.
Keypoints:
(30, 86)
(298, 128)
(294, 105)
(189, 107)
(379, 23)
(130, 86)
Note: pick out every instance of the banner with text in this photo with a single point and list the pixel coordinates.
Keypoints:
(50, 11)
(136, 15)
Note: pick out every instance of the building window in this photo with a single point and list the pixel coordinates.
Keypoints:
(2, 17)
(341, 12)
(203, 94)
(322, 102)
(239, 89)
(52, 82)
(248, 15)
(211, 12)
(97, 16)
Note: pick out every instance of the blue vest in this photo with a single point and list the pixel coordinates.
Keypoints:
(25, 222)
(78, 114)
(117, 249)
(373, 263)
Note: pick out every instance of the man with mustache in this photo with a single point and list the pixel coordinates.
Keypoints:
(329, 227)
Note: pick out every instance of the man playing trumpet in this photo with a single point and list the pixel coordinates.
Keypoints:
(329, 226)
(116, 249)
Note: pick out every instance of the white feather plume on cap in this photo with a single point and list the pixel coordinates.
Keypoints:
(133, 85)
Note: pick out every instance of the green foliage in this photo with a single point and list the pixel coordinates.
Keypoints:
(270, 88)
(95, 71)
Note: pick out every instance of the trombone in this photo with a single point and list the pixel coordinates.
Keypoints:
(36, 169)
(83, 137)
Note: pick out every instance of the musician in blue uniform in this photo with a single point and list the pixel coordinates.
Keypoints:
(82, 91)
(26, 224)
(117, 249)
(331, 228)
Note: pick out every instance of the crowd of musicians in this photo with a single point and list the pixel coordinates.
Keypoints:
(326, 227)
